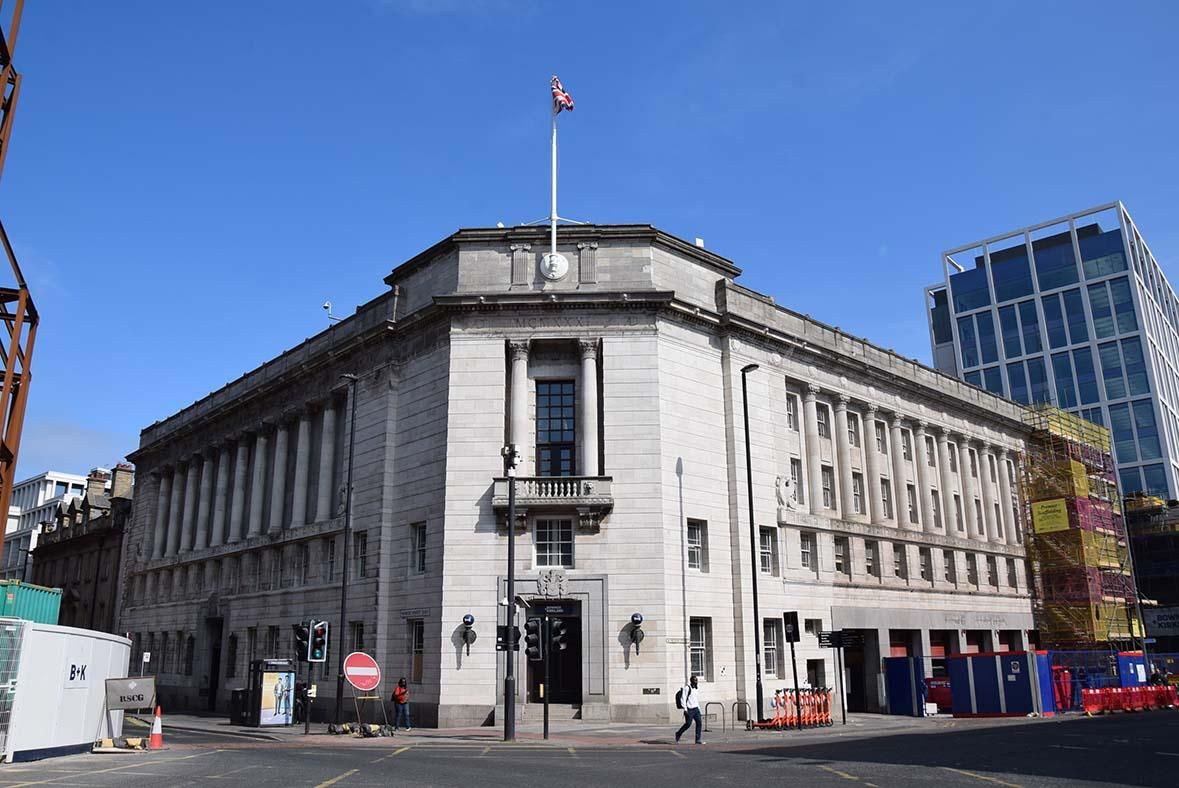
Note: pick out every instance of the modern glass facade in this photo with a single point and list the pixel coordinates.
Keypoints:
(1075, 312)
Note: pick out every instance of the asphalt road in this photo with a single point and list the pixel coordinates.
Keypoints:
(1138, 749)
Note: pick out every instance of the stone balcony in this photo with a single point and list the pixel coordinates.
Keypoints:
(589, 497)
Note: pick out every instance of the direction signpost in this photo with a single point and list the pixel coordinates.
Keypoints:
(840, 639)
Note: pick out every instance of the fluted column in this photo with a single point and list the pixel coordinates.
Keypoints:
(946, 491)
(900, 496)
(1006, 515)
(924, 490)
(190, 504)
(237, 508)
(327, 463)
(814, 479)
(149, 588)
(204, 504)
(843, 457)
(174, 501)
(164, 494)
(589, 407)
(519, 394)
(302, 471)
(994, 528)
(258, 482)
(217, 535)
(872, 459)
(974, 529)
(278, 484)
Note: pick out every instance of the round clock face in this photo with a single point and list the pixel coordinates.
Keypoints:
(553, 266)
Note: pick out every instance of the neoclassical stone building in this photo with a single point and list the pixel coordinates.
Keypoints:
(884, 491)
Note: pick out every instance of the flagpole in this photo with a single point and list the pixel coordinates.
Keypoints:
(553, 210)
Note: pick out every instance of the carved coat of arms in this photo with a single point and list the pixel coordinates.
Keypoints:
(551, 583)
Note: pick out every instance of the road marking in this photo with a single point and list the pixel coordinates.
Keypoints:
(872, 785)
(117, 769)
(844, 775)
(485, 750)
(391, 755)
(982, 777)
(677, 754)
(1067, 747)
(233, 771)
(572, 752)
(337, 778)
(1172, 754)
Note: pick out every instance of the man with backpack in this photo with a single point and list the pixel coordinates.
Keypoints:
(688, 699)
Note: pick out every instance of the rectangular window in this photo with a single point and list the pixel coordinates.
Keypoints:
(251, 643)
(842, 558)
(328, 558)
(926, 559)
(953, 454)
(936, 505)
(1056, 265)
(1011, 577)
(417, 649)
(911, 494)
(768, 544)
(303, 562)
(930, 453)
(1111, 370)
(1062, 371)
(858, 492)
(900, 561)
(771, 653)
(992, 572)
(979, 522)
(417, 533)
(1123, 305)
(1099, 305)
(872, 558)
(906, 445)
(806, 543)
(1009, 327)
(880, 442)
(1149, 446)
(986, 337)
(958, 513)
(967, 342)
(360, 553)
(792, 412)
(700, 647)
(796, 477)
(272, 643)
(698, 545)
(828, 481)
(824, 419)
(231, 657)
(991, 468)
(1054, 321)
(853, 430)
(554, 543)
(556, 428)
(971, 569)
(1030, 321)
(1136, 379)
(1086, 376)
(949, 572)
(1017, 379)
(1074, 310)
(973, 462)
(886, 497)
(1038, 380)
(812, 626)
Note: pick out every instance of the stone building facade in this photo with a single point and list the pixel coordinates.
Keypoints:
(883, 490)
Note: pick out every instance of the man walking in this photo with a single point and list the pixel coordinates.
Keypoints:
(690, 699)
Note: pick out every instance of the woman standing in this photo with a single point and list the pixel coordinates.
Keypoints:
(401, 705)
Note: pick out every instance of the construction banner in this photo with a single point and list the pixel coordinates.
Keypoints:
(1080, 479)
(1050, 516)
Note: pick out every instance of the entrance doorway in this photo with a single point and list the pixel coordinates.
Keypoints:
(564, 665)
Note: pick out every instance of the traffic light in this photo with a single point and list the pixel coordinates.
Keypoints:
(557, 633)
(302, 639)
(533, 646)
(319, 642)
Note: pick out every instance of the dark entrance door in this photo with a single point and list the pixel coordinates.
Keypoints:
(564, 665)
(213, 630)
(854, 668)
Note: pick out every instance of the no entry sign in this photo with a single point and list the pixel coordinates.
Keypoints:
(362, 671)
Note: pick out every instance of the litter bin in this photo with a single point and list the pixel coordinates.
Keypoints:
(239, 706)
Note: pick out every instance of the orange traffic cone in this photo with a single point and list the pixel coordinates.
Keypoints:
(156, 741)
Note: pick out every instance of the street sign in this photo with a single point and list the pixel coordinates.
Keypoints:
(827, 639)
(840, 638)
(131, 693)
(362, 671)
(313, 691)
(146, 657)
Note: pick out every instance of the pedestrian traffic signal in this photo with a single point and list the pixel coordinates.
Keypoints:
(302, 639)
(319, 642)
(533, 647)
(557, 633)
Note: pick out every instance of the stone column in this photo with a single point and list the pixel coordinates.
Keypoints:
(237, 507)
(814, 479)
(994, 526)
(217, 536)
(946, 486)
(174, 513)
(258, 482)
(190, 504)
(205, 507)
(924, 489)
(302, 471)
(589, 407)
(278, 484)
(149, 588)
(519, 402)
(843, 457)
(900, 495)
(164, 493)
(973, 528)
(327, 464)
(1006, 514)
(872, 460)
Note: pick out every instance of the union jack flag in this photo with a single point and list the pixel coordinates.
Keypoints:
(561, 99)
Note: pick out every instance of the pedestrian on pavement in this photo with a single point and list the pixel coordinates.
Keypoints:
(690, 698)
(401, 705)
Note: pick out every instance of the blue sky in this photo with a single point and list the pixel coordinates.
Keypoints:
(188, 182)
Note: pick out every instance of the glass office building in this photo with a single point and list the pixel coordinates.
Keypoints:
(1076, 312)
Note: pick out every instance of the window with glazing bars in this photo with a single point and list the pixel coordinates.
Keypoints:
(556, 428)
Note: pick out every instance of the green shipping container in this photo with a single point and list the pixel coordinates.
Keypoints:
(30, 602)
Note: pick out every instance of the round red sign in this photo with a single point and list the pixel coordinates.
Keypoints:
(362, 671)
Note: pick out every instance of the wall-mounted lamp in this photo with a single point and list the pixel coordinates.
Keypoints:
(636, 630)
(469, 634)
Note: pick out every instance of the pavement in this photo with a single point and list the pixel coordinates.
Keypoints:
(875, 752)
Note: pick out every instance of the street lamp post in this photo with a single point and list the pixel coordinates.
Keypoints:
(511, 458)
(753, 540)
(352, 381)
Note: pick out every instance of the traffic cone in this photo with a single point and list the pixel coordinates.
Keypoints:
(156, 740)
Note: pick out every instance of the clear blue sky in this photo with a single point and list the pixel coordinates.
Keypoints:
(188, 182)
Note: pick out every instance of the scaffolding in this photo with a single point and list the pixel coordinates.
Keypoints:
(1082, 574)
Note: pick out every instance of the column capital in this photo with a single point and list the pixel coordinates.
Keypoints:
(587, 245)
(587, 349)
(870, 412)
(944, 433)
(1000, 451)
(520, 247)
(811, 392)
(841, 403)
(519, 349)
(920, 426)
(895, 420)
